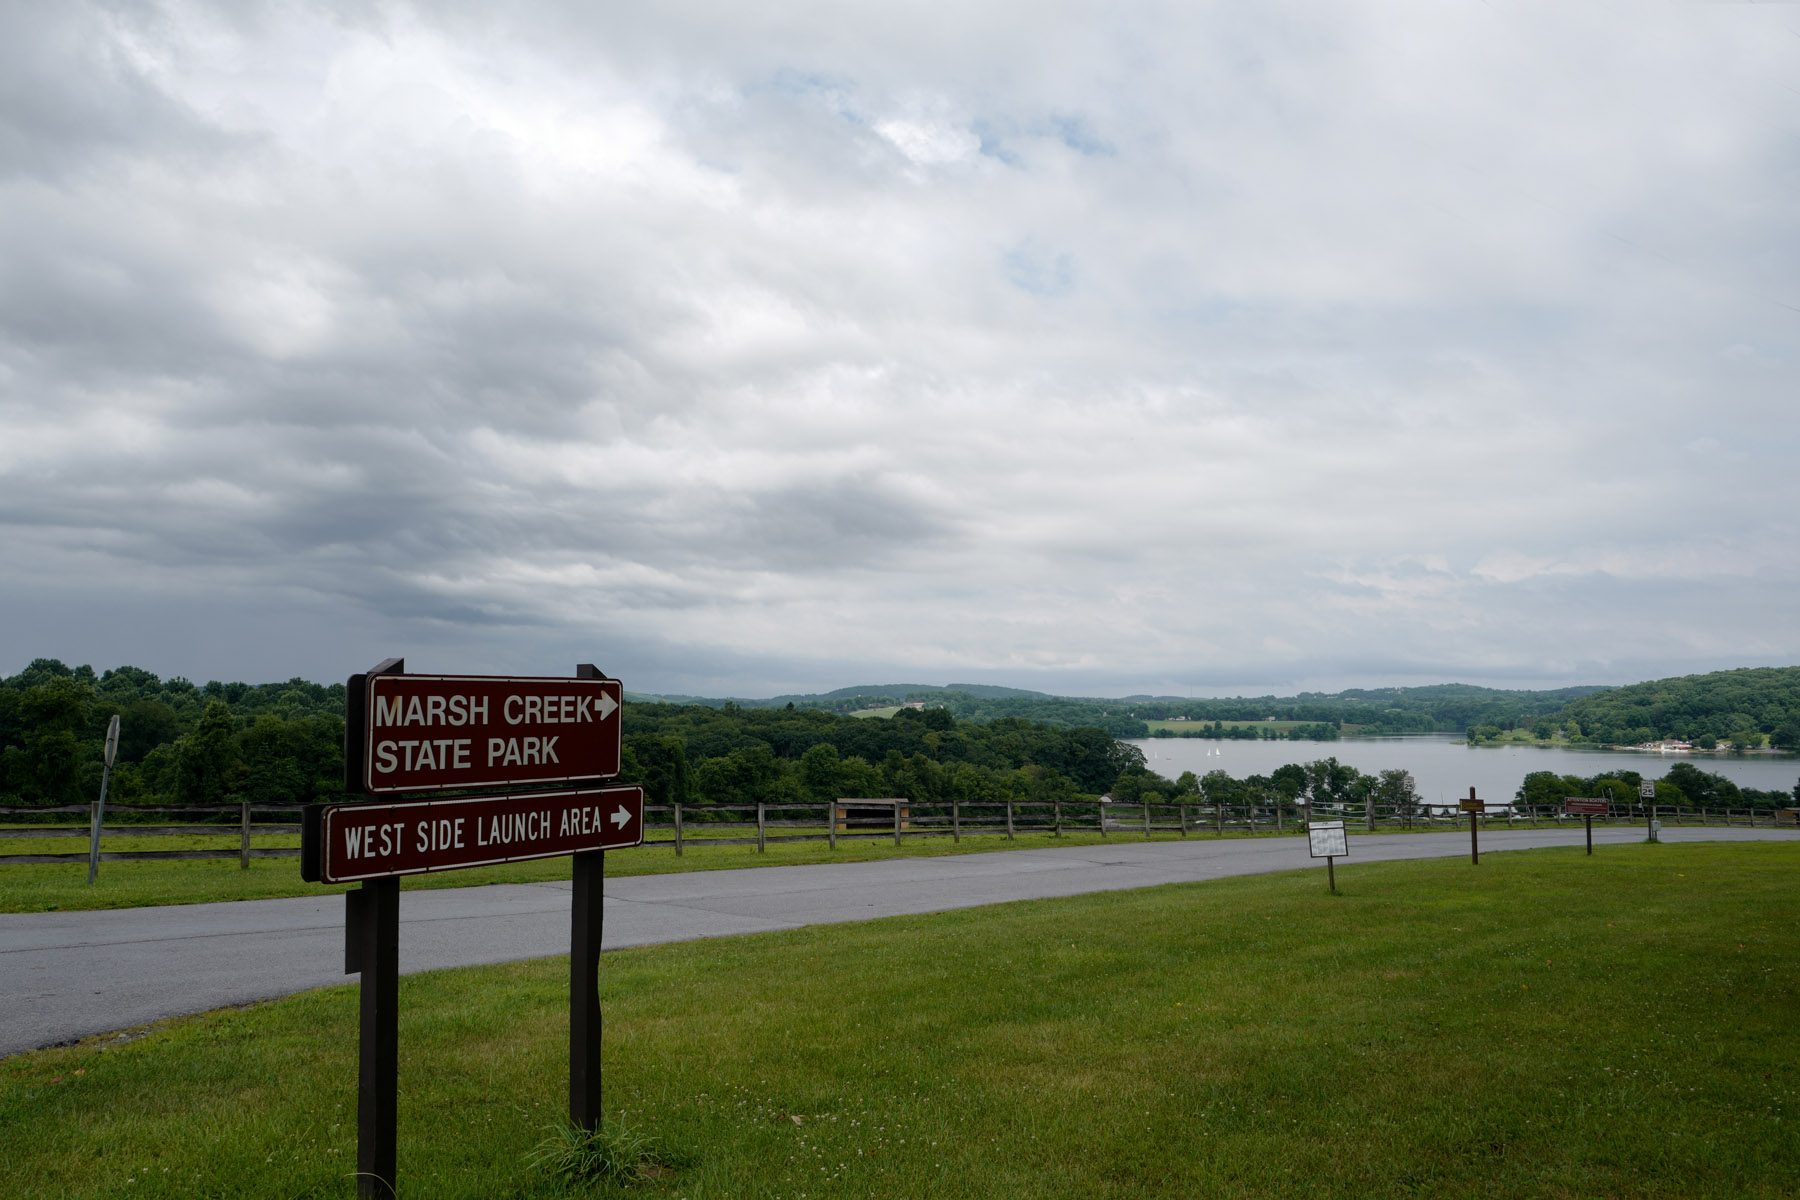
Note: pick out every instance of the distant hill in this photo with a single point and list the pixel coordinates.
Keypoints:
(850, 699)
(1742, 707)
(1451, 707)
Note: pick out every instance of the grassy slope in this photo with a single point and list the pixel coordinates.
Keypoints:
(1546, 1025)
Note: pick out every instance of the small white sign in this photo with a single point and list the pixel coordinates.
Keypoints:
(1327, 839)
(1647, 789)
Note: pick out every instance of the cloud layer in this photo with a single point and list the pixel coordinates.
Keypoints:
(1189, 348)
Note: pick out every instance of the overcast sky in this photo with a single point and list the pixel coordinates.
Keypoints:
(752, 348)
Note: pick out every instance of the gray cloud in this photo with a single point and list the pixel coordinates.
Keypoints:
(1196, 347)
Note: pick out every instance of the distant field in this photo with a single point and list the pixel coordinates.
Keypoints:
(1545, 1025)
(1190, 726)
(876, 712)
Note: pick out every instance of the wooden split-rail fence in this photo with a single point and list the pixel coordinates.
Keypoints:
(222, 825)
(679, 826)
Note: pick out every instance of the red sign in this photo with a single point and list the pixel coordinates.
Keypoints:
(1585, 806)
(426, 733)
(375, 841)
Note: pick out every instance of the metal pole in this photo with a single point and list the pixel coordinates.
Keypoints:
(99, 813)
(587, 915)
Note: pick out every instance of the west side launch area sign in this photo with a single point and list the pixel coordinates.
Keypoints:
(374, 841)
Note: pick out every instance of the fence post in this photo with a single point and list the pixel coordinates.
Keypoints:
(1009, 825)
(677, 829)
(759, 827)
(1056, 816)
(1146, 820)
(831, 816)
(1369, 807)
(896, 823)
(1101, 805)
(1219, 815)
(1184, 820)
(244, 839)
(955, 819)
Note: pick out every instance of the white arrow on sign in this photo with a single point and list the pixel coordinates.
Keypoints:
(607, 705)
(622, 818)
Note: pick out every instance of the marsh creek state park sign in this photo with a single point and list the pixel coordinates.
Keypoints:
(424, 733)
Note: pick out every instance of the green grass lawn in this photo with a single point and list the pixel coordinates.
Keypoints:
(1546, 1025)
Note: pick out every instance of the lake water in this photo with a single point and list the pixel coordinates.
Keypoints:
(1443, 770)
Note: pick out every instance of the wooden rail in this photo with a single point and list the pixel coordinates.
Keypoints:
(751, 824)
(241, 828)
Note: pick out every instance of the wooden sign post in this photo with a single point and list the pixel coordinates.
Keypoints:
(498, 732)
(1474, 808)
(1588, 807)
(1647, 793)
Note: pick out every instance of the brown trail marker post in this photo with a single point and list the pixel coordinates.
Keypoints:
(1327, 840)
(501, 732)
(1474, 808)
(1589, 807)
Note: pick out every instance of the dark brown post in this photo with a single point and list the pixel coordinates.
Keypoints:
(1474, 835)
(377, 916)
(896, 823)
(678, 829)
(1589, 818)
(955, 819)
(761, 840)
(244, 839)
(372, 923)
(586, 919)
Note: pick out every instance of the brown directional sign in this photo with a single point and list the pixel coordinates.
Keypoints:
(348, 842)
(1589, 806)
(1472, 805)
(426, 733)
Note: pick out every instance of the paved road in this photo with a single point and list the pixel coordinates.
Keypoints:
(71, 975)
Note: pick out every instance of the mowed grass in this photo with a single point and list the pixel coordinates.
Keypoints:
(1545, 1025)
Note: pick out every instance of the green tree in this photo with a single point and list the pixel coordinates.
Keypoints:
(204, 757)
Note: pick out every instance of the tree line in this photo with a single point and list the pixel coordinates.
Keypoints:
(1685, 786)
(1744, 708)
